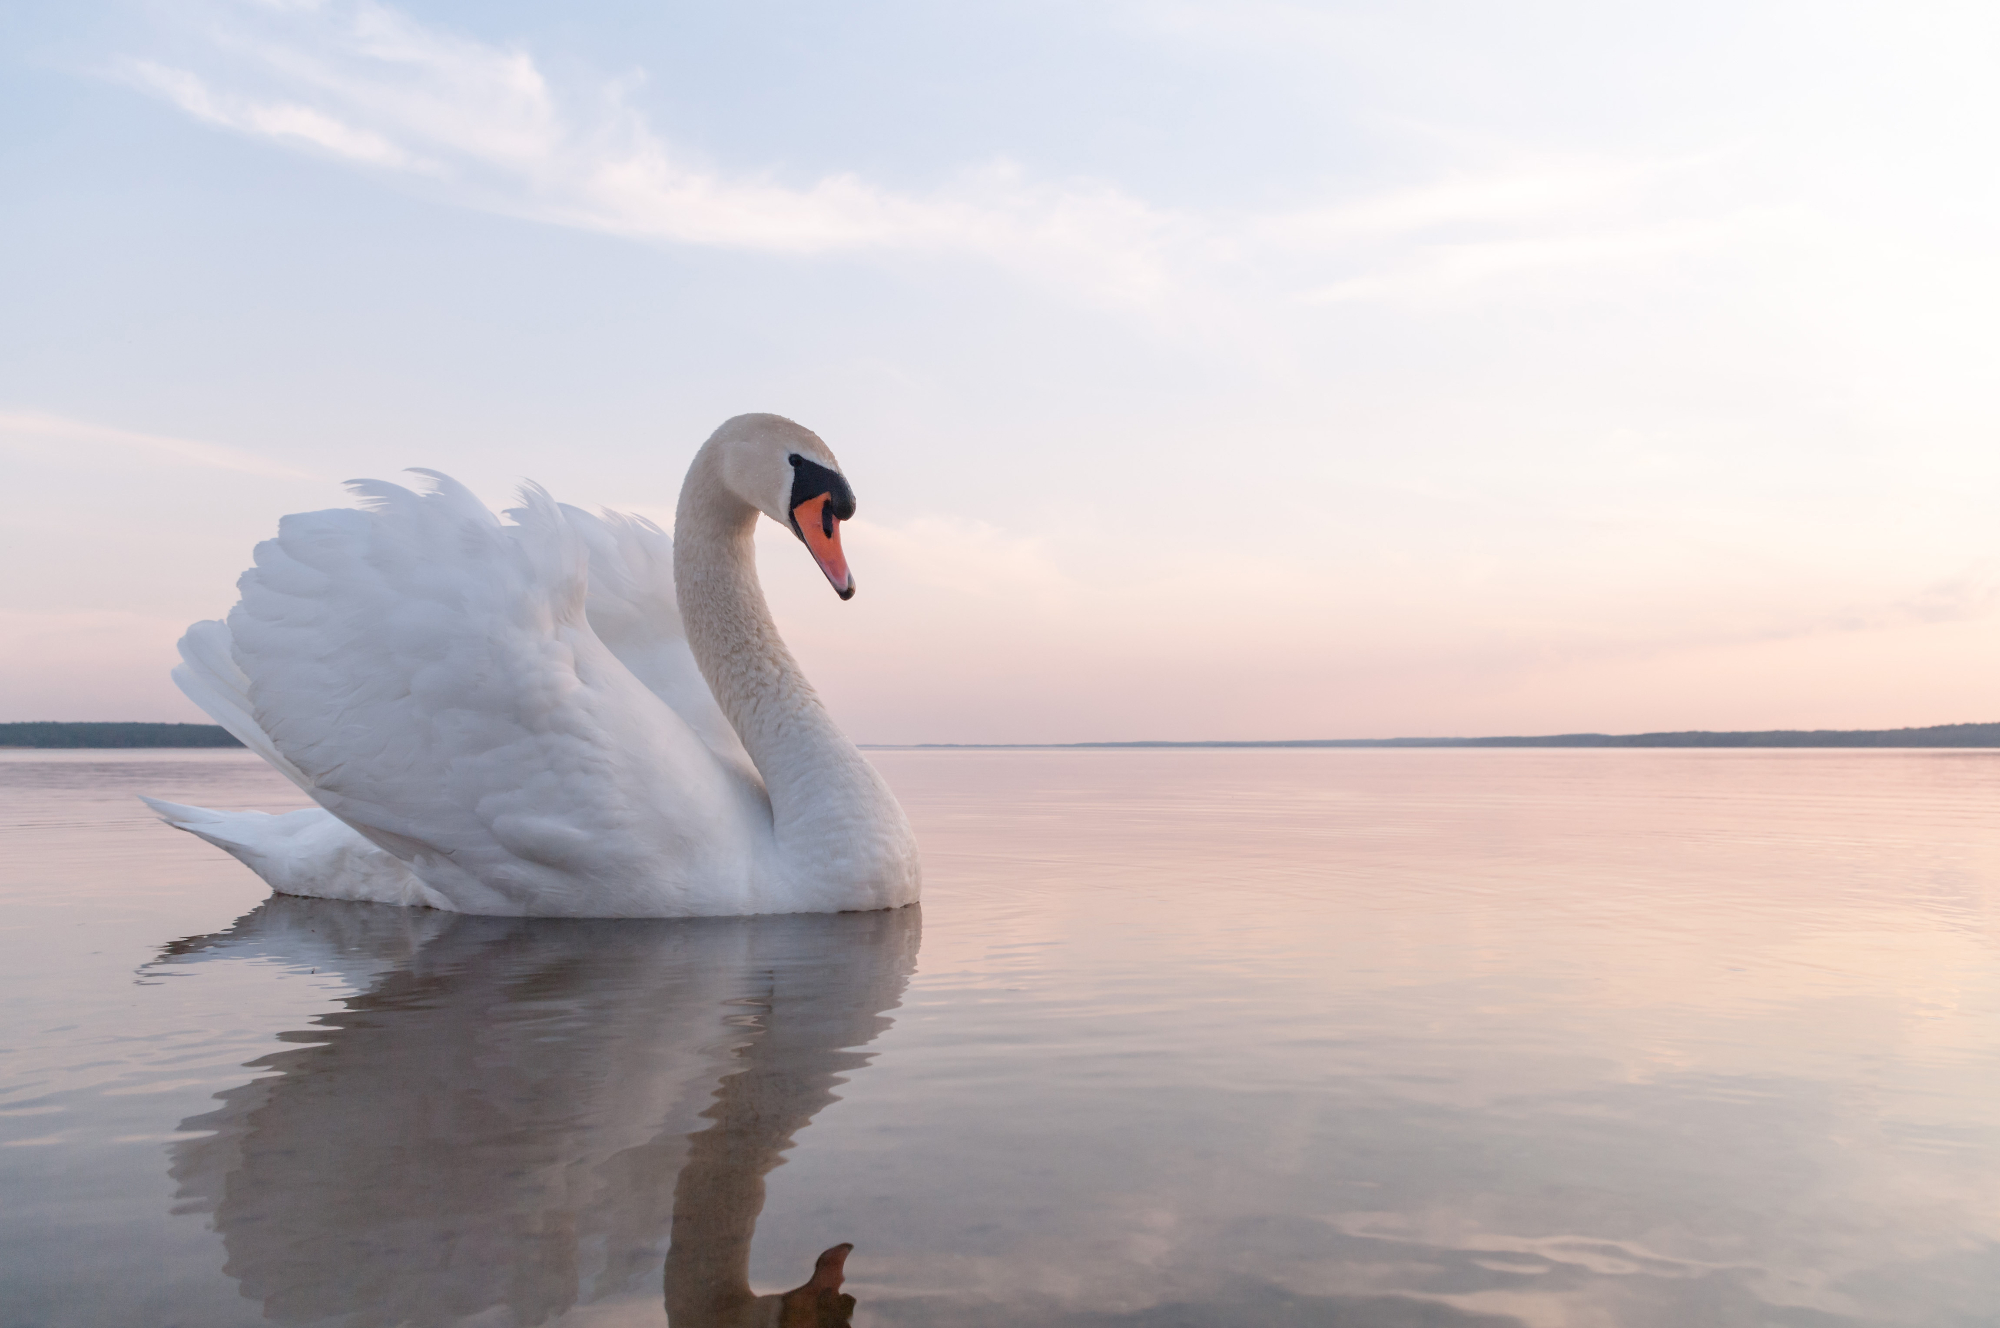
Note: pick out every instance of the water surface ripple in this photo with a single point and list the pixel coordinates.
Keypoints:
(1178, 1039)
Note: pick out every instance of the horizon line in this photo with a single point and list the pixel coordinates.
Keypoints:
(156, 733)
(1983, 734)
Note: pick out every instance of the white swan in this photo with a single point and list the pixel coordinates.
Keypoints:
(565, 716)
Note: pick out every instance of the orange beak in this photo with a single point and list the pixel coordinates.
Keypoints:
(820, 529)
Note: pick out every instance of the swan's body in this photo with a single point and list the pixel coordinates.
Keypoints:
(565, 716)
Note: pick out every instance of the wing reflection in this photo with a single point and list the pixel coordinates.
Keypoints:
(518, 1112)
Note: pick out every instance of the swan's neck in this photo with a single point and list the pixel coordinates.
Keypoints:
(820, 787)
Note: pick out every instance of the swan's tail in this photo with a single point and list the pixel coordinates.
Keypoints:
(201, 822)
(310, 852)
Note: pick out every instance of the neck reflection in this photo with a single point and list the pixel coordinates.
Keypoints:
(519, 1113)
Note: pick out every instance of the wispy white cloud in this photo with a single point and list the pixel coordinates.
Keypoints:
(1527, 192)
(368, 84)
(970, 560)
(38, 427)
(279, 120)
(1447, 268)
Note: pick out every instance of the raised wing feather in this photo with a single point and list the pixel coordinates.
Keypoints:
(208, 674)
(632, 607)
(432, 677)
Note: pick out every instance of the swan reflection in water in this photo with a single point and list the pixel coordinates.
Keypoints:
(516, 1114)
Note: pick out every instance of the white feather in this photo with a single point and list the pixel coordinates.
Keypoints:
(309, 852)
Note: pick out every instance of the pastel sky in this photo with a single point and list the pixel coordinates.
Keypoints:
(1204, 369)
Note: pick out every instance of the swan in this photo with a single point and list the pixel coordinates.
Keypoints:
(563, 715)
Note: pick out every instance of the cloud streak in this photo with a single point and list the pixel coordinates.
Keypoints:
(284, 121)
(373, 87)
(368, 85)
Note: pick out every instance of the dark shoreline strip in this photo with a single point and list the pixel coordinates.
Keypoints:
(1938, 735)
(53, 733)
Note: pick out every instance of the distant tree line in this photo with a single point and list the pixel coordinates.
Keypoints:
(53, 734)
(1938, 735)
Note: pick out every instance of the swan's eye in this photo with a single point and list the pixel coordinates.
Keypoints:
(811, 480)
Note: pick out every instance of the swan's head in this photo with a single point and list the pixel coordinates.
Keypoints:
(785, 471)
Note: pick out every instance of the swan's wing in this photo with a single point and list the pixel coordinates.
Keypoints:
(632, 607)
(208, 675)
(431, 676)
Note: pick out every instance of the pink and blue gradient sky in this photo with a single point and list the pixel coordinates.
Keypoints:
(1204, 369)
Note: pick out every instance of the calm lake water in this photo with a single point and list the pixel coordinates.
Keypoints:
(1178, 1039)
